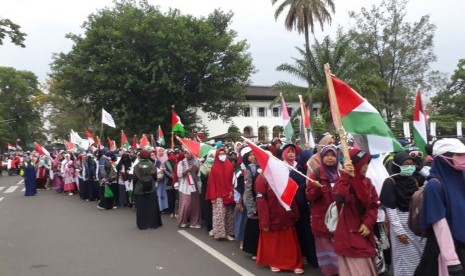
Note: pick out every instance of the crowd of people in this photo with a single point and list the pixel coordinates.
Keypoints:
(226, 193)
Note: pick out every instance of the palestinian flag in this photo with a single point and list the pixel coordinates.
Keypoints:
(90, 137)
(41, 150)
(307, 125)
(111, 144)
(176, 126)
(11, 147)
(160, 136)
(152, 140)
(288, 130)
(277, 175)
(69, 146)
(124, 141)
(363, 121)
(419, 125)
(144, 141)
(135, 145)
(197, 149)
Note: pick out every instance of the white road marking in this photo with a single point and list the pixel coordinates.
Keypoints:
(20, 182)
(23, 189)
(239, 269)
(11, 189)
(1, 188)
(1, 198)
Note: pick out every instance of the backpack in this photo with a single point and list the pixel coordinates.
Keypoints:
(146, 177)
(332, 217)
(415, 215)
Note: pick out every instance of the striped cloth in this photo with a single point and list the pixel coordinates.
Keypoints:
(327, 258)
(405, 257)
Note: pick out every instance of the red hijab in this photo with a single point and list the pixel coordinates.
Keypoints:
(220, 179)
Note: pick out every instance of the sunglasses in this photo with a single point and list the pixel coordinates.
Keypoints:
(416, 154)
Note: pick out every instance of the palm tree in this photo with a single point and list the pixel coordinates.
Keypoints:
(303, 14)
(345, 64)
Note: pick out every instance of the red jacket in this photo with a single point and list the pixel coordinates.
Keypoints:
(320, 199)
(271, 214)
(357, 210)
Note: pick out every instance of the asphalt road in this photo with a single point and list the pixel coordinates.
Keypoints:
(56, 234)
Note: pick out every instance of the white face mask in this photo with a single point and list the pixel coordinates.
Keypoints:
(222, 157)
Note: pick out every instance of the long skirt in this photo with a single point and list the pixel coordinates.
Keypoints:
(69, 187)
(104, 202)
(162, 195)
(29, 184)
(189, 209)
(40, 183)
(222, 219)
(123, 195)
(305, 235)
(147, 211)
(240, 219)
(58, 183)
(356, 266)
(251, 236)
(327, 258)
(405, 257)
(170, 192)
(279, 249)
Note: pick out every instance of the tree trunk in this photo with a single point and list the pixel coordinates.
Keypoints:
(307, 56)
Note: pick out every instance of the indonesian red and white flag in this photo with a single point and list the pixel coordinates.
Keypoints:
(11, 147)
(41, 150)
(277, 175)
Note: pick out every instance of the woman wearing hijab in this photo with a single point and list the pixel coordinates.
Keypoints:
(278, 245)
(395, 196)
(169, 174)
(320, 197)
(443, 211)
(220, 193)
(162, 157)
(69, 177)
(204, 173)
(288, 155)
(302, 226)
(124, 179)
(252, 229)
(42, 174)
(29, 177)
(189, 196)
(147, 211)
(315, 160)
(354, 240)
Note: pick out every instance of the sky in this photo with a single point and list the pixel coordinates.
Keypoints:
(46, 22)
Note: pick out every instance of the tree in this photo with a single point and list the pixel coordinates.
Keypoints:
(12, 30)
(136, 62)
(303, 14)
(19, 111)
(451, 100)
(344, 64)
(400, 50)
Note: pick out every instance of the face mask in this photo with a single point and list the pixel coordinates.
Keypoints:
(457, 162)
(222, 157)
(210, 160)
(407, 170)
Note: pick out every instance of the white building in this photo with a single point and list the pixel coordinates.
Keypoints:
(257, 118)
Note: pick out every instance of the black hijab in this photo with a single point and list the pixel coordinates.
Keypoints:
(398, 190)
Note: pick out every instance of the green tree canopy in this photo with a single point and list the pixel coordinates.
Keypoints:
(19, 113)
(12, 30)
(401, 51)
(136, 61)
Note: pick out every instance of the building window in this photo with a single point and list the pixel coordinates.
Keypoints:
(247, 111)
(289, 111)
(315, 112)
(276, 131)
(262, 112)
(275, 111)
(262, 134)
(248, 131)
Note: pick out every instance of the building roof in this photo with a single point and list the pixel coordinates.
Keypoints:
(261, 93)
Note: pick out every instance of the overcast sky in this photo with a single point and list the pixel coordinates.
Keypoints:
(47, 21)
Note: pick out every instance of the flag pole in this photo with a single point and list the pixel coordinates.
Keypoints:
(301, 100)
(313, 182)
(337, 116)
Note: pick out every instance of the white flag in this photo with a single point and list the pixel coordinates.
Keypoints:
(77, 140)
(107, 119)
